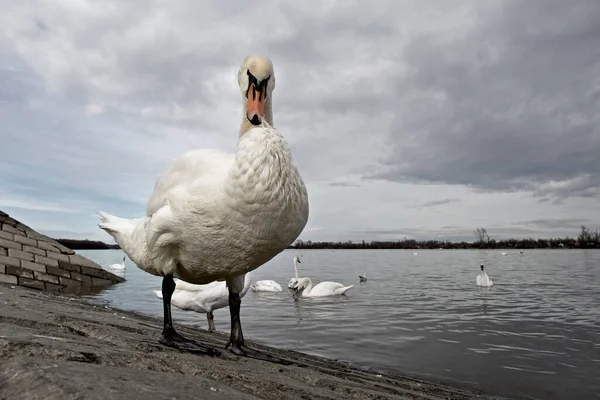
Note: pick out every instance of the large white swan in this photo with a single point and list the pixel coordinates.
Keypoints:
(202, 298)
(305, 286)
(266, 286)
(216, 216)
(483, 279)
(118, 266)
(293, 280)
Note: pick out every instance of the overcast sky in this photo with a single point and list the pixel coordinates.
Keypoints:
(406, 118)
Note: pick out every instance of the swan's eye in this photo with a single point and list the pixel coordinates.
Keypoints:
(256, 86)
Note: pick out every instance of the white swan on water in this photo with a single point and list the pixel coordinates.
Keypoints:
(293, 281)
(217, 216)
(305, 286)
(266, 286)
(118, 266)
(203, 298)
(483, 279)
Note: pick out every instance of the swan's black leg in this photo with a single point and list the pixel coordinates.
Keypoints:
(211, 321)
(170, 337)
(236, 339)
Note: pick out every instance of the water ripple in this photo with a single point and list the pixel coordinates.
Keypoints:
(538, 327)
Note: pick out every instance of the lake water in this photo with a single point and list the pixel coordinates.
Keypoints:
(534, 335)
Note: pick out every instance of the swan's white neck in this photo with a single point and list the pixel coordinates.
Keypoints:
(295, 269)
(246, 125)
(308, 287)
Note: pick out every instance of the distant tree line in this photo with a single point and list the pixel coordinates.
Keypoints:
(75, 244)
(586, 239)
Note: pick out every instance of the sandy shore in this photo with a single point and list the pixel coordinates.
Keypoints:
(54, 347)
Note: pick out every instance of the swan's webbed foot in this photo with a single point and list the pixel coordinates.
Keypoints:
(171, 338)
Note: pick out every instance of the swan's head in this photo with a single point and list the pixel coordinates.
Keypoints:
(123, 258)
(300, 285)
(297, 259)
(482, 267)
(257, 81)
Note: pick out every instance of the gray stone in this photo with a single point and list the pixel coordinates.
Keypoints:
(48, 246)
(58, 272)
(79, 260)
(11, 229)
(46, 261)
(71, 285)
(20, 254)
(33, 266)
(40, 276)
(31, 283)
(69, 267)
(3, 251)
(63, 249)
(58, 256)
(25, 240)
(54, 288)
(81, 278)
(2, 269)
(10, 261)
(8, 279)
(9, 244)
(100, 282)
(18, 271)
(6, 235)
(34, 250)
(98, 273)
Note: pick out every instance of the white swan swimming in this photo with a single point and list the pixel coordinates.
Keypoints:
(321, 289)
(216, 216)
(118, 266)
(266, 286)
(203, 298)
(363, 277)
(483, 279)
(295, 279)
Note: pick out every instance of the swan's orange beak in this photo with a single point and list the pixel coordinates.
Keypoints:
(256, 103)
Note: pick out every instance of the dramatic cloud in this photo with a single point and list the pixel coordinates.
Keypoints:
(419, 119)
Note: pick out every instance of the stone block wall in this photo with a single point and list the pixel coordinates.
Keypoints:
(33, 260)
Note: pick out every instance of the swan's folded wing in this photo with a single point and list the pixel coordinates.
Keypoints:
(191, 169)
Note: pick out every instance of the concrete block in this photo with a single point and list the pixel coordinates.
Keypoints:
(32, 283)
(8, 279)
(69, 267)
(9, 244)
(25, 240)
(58, 256)
(18, 271)
(34, 250)
(40, 276)
(33, 266)
(20, 254)
(10, 261)
(58, 272)
(46, 261)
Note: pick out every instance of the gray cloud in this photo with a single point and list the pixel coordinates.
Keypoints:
(512, 105)
(435, 203)
(389, 107)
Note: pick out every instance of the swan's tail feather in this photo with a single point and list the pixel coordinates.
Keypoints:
(128, 233)
(344, 289)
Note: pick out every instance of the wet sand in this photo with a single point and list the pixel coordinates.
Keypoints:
(57, 347)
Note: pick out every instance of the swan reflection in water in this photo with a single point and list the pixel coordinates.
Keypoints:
(484, 295)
